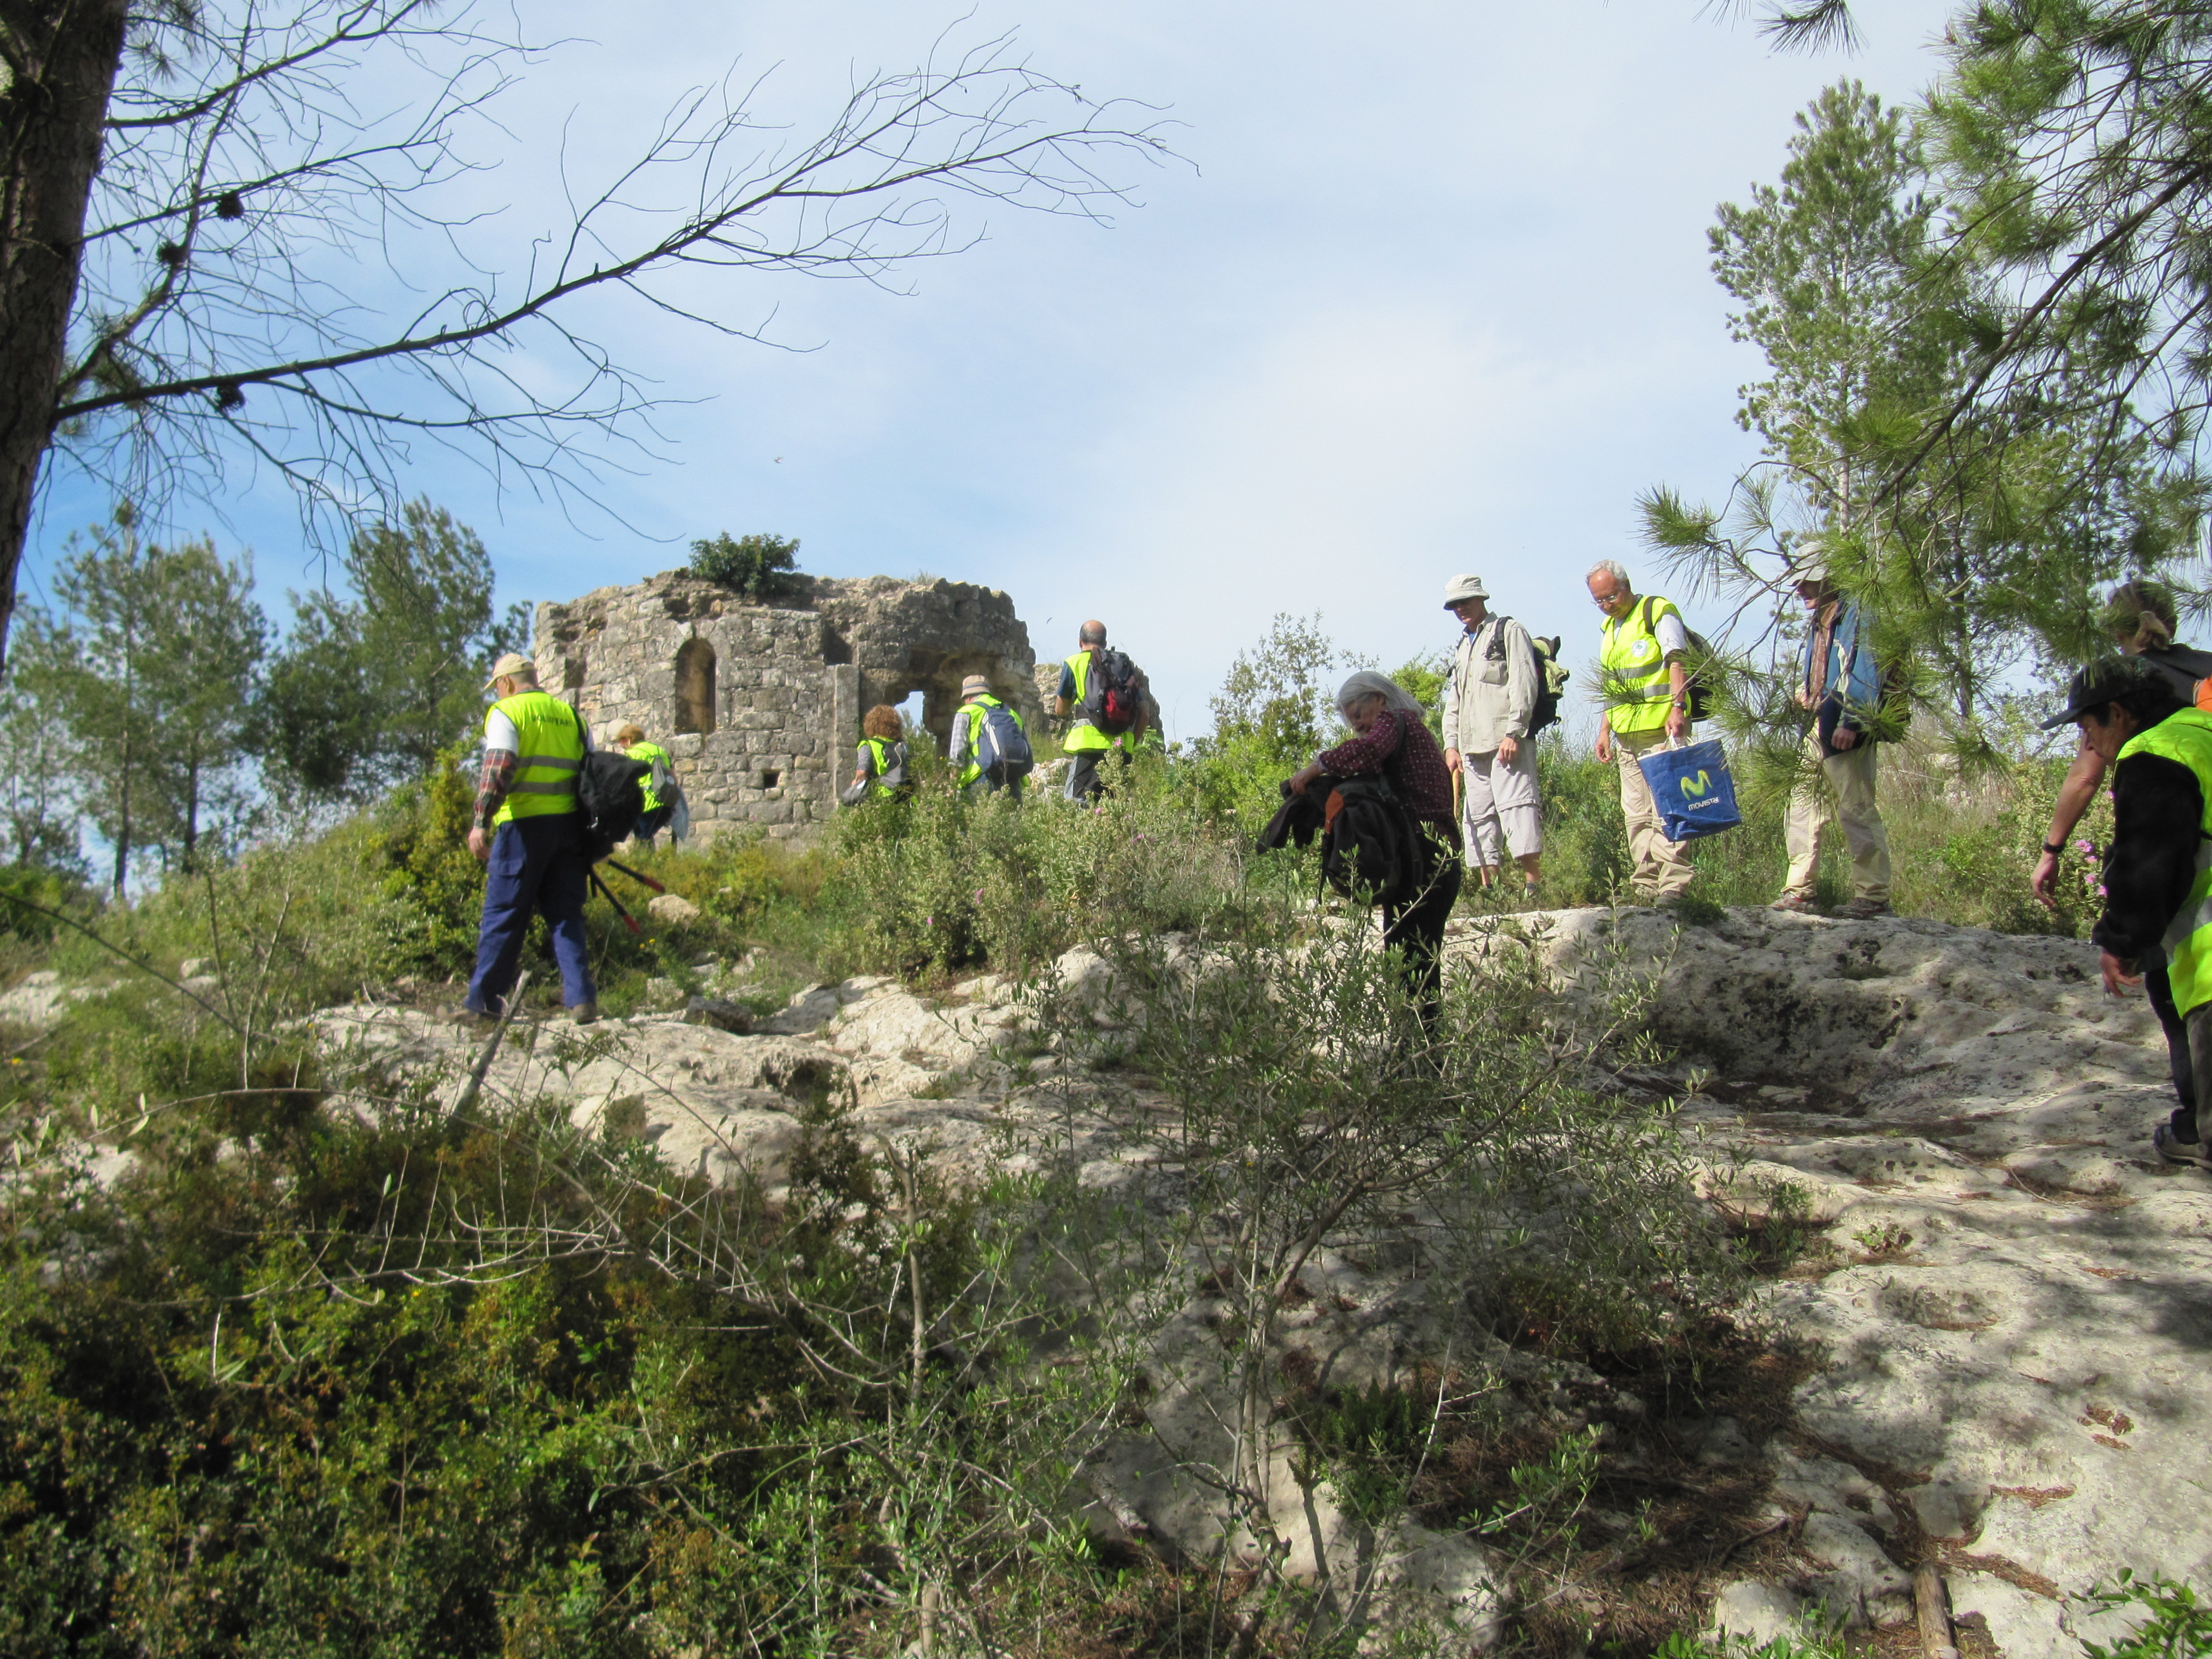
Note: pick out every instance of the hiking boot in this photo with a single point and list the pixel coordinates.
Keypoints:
(471, 1019)
(2174, 1150)
(1796, 903)
(585, 1013)
(1865, 910)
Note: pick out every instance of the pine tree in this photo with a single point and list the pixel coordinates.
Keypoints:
(372, 684)
(158, 651)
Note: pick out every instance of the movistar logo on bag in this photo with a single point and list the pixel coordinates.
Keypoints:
(1692, 789)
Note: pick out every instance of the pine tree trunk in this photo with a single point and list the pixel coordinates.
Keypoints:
(52, 118)
(192, 812)
(123, 821)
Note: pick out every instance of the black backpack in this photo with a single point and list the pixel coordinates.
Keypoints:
(1701, 659)
(1113, 694)
(611, 796)
(1551, 678)
(1372, 849)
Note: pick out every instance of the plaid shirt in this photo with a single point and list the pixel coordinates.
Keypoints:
(1418, 771)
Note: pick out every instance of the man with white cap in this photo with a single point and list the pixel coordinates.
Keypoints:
(990, 744)
(528, 834)
(1839, 684)
(1489, 696)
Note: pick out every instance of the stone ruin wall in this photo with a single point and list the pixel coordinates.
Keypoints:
(761, 704)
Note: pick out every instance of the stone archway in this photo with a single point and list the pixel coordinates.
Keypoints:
(695, 687)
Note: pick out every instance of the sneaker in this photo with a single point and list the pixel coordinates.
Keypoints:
(2174, 1150)
(1865, 910)
(1796, 903)
(585, 1013)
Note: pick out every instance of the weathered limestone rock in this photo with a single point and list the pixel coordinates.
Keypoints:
(673, 908)
(760, 705)
(722, 1015)
(2016, 1321)
(38, 1000)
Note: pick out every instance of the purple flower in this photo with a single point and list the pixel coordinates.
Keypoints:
(979, 895)
(928, 922)
(2085, 846)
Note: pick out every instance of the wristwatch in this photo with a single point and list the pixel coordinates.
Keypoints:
(2054, 847)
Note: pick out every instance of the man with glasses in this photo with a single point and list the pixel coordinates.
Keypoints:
(1647, 697)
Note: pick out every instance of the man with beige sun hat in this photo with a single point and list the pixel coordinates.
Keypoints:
(1490, 699)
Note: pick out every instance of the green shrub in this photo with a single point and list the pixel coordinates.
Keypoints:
(759, 568)
(938, 883)
(1962, 844)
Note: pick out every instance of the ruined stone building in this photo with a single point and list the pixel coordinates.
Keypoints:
(761, 704)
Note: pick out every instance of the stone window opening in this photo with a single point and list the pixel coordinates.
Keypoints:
(695, 687)
(768, 780)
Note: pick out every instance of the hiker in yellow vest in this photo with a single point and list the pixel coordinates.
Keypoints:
(1085, 745)
(660, 812)
(976, 705)
(527, 833)
(2158, 871)
(879, 763)
(1646, 689)
(2141, 618)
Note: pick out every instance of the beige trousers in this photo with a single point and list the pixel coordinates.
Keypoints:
(1851, 777)
(1663, 869)
(1501, 813)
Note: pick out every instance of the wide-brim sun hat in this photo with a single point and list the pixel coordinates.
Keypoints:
(1460, 589)
(974, 686)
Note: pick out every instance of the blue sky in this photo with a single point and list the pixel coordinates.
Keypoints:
(1431, 294)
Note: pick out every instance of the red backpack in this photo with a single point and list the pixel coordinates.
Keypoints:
(1113, 694)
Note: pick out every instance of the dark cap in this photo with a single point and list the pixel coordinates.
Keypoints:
(2103, 681)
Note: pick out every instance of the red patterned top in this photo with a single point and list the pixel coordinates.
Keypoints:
(1419, 772)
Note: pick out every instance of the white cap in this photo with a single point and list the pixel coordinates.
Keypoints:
(1460, 589)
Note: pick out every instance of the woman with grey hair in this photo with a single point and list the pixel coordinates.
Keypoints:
(1391, 741)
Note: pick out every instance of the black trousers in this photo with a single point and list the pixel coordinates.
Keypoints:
(1416, 929)
(2178, 1059)
(2187, 1052)
(1083, 783)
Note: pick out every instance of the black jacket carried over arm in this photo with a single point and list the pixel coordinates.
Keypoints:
(2158, 817)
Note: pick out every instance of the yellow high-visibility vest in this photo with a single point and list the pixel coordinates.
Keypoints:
(549, 736)
(1638, 692)
(2187, 736)
(973, 713)
(1083, 735)
(650, 752)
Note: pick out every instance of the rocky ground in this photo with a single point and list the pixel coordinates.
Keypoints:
(2003, 1309)
(2011, 1310)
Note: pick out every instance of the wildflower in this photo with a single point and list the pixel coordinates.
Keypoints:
(2086, 848)
(979, 896)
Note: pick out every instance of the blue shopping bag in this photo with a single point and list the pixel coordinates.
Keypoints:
(1692, 789)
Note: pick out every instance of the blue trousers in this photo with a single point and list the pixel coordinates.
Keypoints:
(537, 864)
